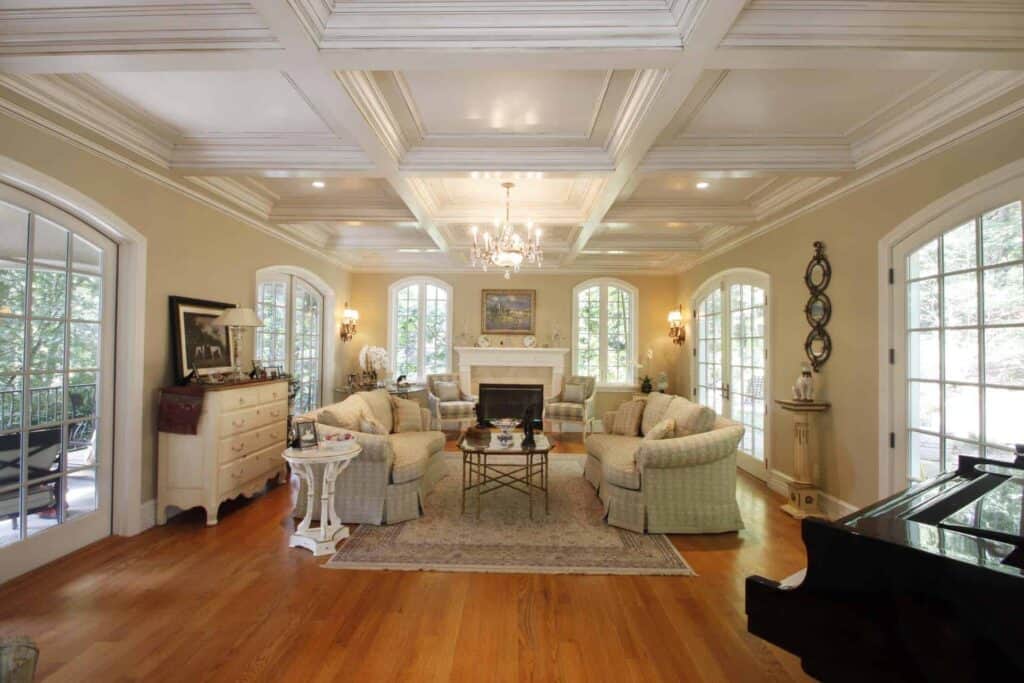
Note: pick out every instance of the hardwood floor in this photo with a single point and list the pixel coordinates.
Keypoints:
(233, 603)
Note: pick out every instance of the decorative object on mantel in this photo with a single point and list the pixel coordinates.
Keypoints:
(818, 344)
(676, 328)
(508, 311)
(529, 341)
(200, 347)
(237, 319)
(506, 250)
(803, 390)
(374, 362)
(349, 323)
(803, 494)
(483, 342)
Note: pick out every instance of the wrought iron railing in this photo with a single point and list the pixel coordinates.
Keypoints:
(46, 404)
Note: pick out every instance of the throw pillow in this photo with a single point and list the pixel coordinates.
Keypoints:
(345, 414)
(379, 403)
(371, 425)
(654, 413)
(573, 393)
(447, 391)
(408, 417)
(690, 418)
(627, 418)
(663, 430)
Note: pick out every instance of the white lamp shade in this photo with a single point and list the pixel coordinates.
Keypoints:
(350, 315)
(238, 317)
(675, 317)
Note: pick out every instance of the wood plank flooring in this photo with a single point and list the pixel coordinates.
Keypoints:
(233, 603)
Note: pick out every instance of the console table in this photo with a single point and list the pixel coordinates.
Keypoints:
(803, 494)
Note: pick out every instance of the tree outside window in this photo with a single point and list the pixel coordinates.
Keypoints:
(604, 331)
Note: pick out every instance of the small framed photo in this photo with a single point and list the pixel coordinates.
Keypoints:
(306, 435)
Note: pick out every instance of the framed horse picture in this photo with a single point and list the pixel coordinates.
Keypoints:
(198, 344)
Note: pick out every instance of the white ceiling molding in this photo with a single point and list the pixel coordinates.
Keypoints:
(70, 26)
(267, 153)
(786, 193)
(751, 154)
(446, 160)
(667, 211)
(686, 13)
(642, 92)
(301, 212)
(79, 99)
(365, 93)
(237, 190)
(934, 24)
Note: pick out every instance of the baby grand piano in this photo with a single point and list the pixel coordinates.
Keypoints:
(927, 585)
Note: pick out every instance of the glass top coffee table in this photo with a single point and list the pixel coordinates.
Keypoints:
(489, 464)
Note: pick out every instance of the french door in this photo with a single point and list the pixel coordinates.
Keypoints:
(731, 357)
(56, 383)
(958, 324)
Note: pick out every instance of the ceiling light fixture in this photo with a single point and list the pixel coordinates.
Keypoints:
(507, 249)
(319, 184)
(703, 185)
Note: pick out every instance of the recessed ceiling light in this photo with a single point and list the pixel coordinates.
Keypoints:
(703, 185)
(319, 184)
(409, 251)
(614, 252)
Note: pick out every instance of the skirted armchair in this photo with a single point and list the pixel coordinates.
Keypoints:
(458, 407)
(560, 409)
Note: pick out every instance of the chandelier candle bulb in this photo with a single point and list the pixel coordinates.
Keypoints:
(507, 249)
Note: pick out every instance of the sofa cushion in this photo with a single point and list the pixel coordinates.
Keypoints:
(573, 393)
(617, 455)
(627, 418)
(447, 391)
(345, 414)
(690, 417)
(457, 409)
(379, 402)
(654, 411)
(560, 410)
(408, 417)
(371, 425)
(663, 430)
(412, 454)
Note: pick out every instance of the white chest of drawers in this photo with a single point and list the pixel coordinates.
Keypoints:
(235, 451)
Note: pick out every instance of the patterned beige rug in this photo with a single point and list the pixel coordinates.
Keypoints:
(572, 539)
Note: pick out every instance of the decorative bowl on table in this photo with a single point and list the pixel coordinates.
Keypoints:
(505, 426)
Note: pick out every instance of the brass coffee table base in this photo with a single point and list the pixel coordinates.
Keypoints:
(486, 469)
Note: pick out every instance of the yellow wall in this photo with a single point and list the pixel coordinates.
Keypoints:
(851, 229)
(554, 307)
(193, 250)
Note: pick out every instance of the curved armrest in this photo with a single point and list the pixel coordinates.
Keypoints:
(467, 397)
(376, 447)
(689, 451)
(608, 419)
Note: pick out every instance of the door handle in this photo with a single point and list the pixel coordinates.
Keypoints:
(725, 392)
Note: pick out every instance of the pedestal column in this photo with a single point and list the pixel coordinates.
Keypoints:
(803, 494)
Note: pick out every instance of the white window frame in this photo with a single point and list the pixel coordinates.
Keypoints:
(634, 307)
(327, 333)
(749, 276)
(998, 188)
(421, 281)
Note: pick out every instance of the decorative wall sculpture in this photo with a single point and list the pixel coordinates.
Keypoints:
(818, 310)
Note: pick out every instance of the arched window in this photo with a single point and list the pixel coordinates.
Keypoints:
(604, 331)
(292, 308)
(731, 364)
(419, 327)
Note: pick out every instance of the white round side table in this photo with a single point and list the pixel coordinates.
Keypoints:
(335, 457)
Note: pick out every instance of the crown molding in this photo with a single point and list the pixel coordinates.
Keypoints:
(446, 160)
(82, 100)
(277, 151)
(239, 192)
(686, 14)
(941, 108)
(363, 212)
(787, 193)
(362, 87)
(669, 211)
(121, 27)
(641, 94)
(917, 24)
(750, 154)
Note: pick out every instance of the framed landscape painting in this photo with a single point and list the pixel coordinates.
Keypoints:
(508, 311)
(198, 345)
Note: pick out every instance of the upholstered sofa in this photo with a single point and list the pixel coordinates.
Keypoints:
(683, 484)
(399, 464)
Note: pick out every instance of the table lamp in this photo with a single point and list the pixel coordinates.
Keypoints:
(237, 319)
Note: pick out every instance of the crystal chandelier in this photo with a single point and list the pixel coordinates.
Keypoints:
(507, 250)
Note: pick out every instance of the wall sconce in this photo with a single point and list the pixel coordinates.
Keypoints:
(676, 328)
(349, 321)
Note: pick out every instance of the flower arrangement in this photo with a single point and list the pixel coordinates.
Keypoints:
(374, 361)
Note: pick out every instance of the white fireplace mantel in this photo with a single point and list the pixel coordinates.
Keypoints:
(504, 356)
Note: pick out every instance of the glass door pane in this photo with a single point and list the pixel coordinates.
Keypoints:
(307, 326)
(710, 366)
(747, 364)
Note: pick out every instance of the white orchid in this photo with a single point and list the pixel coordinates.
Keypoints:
(373, 359)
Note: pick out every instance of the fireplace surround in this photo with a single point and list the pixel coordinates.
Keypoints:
(511, 400)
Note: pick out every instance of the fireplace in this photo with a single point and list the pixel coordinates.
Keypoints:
(511, 400)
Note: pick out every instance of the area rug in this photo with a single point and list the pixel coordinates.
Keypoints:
(572, 539)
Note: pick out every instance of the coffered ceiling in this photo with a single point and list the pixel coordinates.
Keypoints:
(642, 135)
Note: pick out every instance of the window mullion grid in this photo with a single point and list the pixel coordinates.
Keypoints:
(980, 293)
(725, 310)
(289, 323)
(421, 327)
(941, 288)
(602, 333)
(26, 383)
(66, 376)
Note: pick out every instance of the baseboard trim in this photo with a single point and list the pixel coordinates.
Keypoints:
(147, 515)
(832, 506)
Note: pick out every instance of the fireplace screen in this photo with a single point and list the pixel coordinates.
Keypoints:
(511, 400)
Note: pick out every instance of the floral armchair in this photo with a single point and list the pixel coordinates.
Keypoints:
(450, 409)
(559, 409)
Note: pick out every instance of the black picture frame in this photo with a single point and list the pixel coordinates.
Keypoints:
(188, 333)
(306, 434)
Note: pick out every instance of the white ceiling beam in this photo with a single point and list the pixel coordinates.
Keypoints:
(751, 154)
(874, 59)
(447, 160)
(707, 32)
(320, 87)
